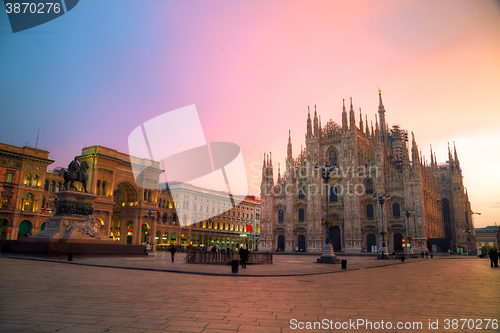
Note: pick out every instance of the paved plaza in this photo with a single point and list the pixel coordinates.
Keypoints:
(150, 294)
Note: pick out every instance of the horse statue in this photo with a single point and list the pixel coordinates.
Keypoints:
(76, 173)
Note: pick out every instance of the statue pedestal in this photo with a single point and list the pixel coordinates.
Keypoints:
(328, 257)
(73, 220)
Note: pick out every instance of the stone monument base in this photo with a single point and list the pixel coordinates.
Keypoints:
(71, 246)
(328, 257)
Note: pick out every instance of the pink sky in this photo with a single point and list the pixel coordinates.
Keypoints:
(253, 67)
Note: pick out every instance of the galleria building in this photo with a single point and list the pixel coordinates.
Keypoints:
(129, 211)
(428, 206)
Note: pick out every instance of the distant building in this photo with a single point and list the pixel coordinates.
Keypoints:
(27, 191)
(211, 218)
(487, 237)
(370, 160)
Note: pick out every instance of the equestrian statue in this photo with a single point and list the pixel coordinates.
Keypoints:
(77, 172)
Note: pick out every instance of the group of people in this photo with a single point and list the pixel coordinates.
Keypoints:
(243, 252)
(493, 254)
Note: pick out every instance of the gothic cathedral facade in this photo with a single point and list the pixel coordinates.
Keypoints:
(426, 206)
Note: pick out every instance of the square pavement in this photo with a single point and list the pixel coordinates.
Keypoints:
(150, 294)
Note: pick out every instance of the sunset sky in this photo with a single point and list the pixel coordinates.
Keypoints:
(252, 68)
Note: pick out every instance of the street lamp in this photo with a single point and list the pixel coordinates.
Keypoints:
(148, 232)
(407, 213)
(381, 199)
(328, 254)
(470, 235)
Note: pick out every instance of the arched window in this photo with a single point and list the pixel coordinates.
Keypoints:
(43, 203)
(28, 179)
(302, 191)
(52, 186)
(35, 180)
(164, 217)
(103, 187)
(98, 188)
(58, 187)
(333, 194)
(369, 212)
(28, 202)
(46, 186)
(167, 204)
(281, 216)
(332, 157)
(301, 214)
(396, 212)
(369, 186)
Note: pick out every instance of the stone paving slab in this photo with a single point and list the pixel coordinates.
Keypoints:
(44, 296)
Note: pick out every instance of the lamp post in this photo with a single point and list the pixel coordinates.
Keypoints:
(407, 213)
(328, 254)
(148, 232)
(470, 235)
(381, 199)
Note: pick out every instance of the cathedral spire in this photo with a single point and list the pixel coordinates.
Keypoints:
(352, 120)
(289, 147)
(309, 126)
(319, 134)
(344, 117)
(457, 163)
(432, 158)
(279, 173)
(377, 130)
(367, 128)
(414, 150)
(381, 114)
(360, 121)
(264, 167)
(315, 122)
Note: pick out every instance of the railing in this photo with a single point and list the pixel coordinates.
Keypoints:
(223, 258)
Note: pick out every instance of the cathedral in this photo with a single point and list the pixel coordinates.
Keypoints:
(379, 190)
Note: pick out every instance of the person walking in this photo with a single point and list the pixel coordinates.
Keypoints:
(172, 252)
(495, 258)
(243, 257)
(426, 255)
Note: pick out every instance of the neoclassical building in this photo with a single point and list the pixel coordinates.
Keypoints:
(130, 211)
(428, 206)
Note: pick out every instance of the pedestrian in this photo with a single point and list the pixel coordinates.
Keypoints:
(172, 252)
(495, 257)
(422, 254)
(426, 255)
(243, 257)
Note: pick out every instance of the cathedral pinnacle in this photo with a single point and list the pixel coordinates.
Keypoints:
(352, 120)
(315, 122)
(309, 126)
(455, 155)
(360, 121)
(344, 116)
(381, 114)
(289, 147)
